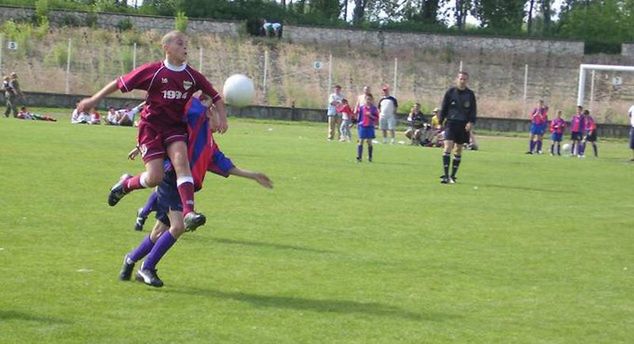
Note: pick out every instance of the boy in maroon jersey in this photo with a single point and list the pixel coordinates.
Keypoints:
(162, 129)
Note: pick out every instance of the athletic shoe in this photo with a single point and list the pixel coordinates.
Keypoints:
(453, 180)
(149, 277)
(126, 269)
(369, 160)
(529, 152)
(117, 192)
(444, 180)
(140, 220)
(359, 159)
(193, 220)
(540, 152)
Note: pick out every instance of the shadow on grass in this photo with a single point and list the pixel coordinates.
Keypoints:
(321, 306)
(524, 188)
(16, 315)
(269, 245)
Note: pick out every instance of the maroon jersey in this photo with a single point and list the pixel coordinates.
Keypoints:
(169, 88)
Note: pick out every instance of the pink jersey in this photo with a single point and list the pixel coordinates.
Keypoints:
(539, 116)
(590, 125)
(557, 125)
(168, 87)
(576, 123)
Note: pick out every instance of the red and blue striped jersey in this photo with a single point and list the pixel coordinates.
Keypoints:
(199, 145)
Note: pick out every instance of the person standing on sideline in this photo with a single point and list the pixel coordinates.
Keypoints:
(361, 99)
(576, 131)
(170, 84)
(630, 114)
(368, 115)
(539, 118)
(387, 114)
(459, 110)
(590, 128)
(557, 127)
(12, 93)
(334, 118)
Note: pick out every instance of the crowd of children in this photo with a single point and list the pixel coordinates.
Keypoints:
(583, 130)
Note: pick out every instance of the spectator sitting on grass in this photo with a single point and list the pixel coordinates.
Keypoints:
(79, 117)
(25, 114)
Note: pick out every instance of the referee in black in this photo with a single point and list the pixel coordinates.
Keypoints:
(458, 111)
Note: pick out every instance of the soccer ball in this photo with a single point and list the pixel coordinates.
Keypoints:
(566, 148)
(238, 90)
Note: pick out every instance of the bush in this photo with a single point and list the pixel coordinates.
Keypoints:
(181, 21)
(125, 24)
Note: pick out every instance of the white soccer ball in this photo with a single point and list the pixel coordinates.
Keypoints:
(566, 148)
(238, 90)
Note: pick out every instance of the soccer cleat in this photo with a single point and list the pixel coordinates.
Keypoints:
(140, 220)
(193, 220)
(359, 159)
(149, 277)
(444, 180)
(117, 192)
(369, 159)
(529, 152)
(126, 269)
(453, 180)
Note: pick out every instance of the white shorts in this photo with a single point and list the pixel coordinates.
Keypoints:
(387, 123)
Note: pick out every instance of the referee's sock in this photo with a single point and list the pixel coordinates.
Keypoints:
(455, 165)
(445, 163)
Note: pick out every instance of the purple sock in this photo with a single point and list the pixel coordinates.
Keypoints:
(163, 244)
(582, 148)
(359, 151)
(142, 250)
(531, 145)
(539, 146)
(149, 205)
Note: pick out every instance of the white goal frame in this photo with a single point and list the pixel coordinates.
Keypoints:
(582, 76)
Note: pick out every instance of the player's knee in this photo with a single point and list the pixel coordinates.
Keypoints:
(153, 179)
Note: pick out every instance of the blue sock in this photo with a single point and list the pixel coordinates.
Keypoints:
(359, 151)
(370, 149)
(445, 163)
(149, 205)
(142, 250)
(539, 146)
(531, 145)
(163, 244)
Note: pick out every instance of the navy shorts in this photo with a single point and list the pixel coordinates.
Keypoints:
(168, 198)
(576, 136)
(632, 138)
(537, 129)
(556, 137)
(366, 132)
(456, 132)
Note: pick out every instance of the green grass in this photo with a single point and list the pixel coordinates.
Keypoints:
(524, 249)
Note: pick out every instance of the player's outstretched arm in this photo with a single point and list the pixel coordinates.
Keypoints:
(221, 111)
(88, 103)
(259, 177)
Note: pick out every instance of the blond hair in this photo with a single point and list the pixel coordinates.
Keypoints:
(170, 36)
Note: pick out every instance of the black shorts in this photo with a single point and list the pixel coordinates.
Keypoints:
(591, 138)
(456, 132)
(632, 138)
(576, 136)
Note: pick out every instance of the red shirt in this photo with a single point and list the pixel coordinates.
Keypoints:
(169, 88)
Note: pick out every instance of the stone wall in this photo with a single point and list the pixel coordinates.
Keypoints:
(387, 40)
(384, 40)
(36, 99)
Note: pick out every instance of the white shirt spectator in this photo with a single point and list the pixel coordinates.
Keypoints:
(336, 99)
(79, 117)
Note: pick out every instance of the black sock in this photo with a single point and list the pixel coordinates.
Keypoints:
(595, 149)
(370, 149)
(445, 163)
(455, 165)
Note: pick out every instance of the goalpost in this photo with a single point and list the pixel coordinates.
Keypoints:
(582, 76)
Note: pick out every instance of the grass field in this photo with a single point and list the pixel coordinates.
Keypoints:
(524, 249)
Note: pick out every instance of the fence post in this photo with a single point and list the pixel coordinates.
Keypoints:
(134, 56)
(200, 59)
(266, 72)
(68, 67)
(395, 76)
(592, 89)
(329, 75)
(1, 48)
(525, 86)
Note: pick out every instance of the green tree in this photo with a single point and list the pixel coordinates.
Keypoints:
(330, 9)
(500, 15)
